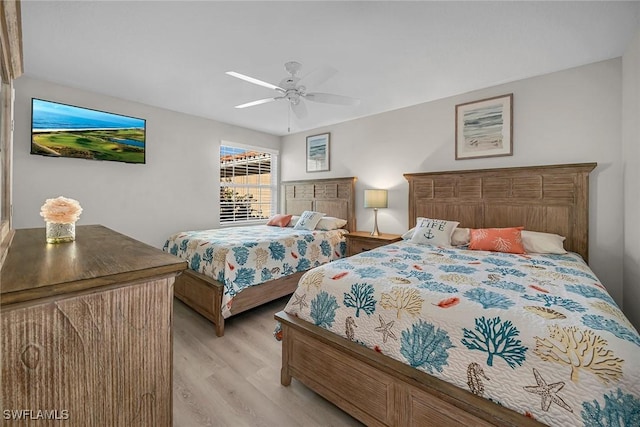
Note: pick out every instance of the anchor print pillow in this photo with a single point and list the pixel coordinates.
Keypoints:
(435, 232)
(308, 220)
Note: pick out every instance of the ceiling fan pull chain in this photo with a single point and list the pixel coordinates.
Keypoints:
(289, 118)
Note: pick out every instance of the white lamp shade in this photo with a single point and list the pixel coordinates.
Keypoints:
(375, 198)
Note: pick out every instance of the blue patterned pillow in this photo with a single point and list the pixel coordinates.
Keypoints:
(308, 220)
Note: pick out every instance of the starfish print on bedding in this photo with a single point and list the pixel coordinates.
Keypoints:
(300, 301)
(385, 329)
(548, 392)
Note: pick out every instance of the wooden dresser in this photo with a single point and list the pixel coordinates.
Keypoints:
(86, 330)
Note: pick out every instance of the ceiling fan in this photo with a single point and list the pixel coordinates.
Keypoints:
(291, 89)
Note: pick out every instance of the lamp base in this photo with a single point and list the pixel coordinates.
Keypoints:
(375, 231)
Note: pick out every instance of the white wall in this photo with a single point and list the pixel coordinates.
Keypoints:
(175, 190)
(571, 116)
(631, 164)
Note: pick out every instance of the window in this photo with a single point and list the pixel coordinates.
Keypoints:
(248, 183)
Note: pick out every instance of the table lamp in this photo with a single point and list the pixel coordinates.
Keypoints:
(375, 199)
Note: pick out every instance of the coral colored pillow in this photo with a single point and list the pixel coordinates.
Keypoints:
(280, 220)
(497, 240)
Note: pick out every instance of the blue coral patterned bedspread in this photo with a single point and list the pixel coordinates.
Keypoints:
(538, 334)
(240, 257)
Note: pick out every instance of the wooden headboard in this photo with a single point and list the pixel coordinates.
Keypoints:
(333, 196)
(552, 199)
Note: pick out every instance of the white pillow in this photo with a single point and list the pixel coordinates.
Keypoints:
(535, 242)
(460, 236)
(408, 234)
(308, 220)
(436, 232)
(294, 220)
(330, 223)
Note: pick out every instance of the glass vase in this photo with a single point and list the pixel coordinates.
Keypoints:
(61, 232)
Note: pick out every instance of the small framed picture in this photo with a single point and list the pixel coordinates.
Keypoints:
(484, 128)
(318, 153)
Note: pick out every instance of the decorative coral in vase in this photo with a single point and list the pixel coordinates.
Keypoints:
(60, 215)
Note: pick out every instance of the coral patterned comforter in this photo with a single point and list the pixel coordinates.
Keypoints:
(240, 257)
(536, 333)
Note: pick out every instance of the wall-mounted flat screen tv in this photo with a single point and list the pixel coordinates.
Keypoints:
(61, 130)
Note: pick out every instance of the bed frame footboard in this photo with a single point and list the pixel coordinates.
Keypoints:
(376, 389)
(204, 295)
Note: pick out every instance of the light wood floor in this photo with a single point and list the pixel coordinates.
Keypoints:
(235, 380)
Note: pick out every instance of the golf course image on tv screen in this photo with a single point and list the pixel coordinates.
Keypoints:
(61, 130)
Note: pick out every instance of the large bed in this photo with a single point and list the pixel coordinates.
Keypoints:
(502, 339)
(206, 294)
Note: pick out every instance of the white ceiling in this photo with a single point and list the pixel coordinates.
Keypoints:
(174, 54)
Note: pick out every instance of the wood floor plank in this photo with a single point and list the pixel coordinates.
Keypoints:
(234, 380)
(191, 405)
(247, 402)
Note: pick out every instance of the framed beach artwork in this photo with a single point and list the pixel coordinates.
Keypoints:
(484, 128)
(318, 153)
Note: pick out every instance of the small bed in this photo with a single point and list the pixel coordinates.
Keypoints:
(248, 254)
(568, 357)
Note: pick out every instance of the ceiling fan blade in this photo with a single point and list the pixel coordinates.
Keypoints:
(299, 109)
(318, 76)
(258, 102)
(329, 98)
(254, 81)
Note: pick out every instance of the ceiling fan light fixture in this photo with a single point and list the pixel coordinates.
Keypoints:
(292, 67)
(293, 97)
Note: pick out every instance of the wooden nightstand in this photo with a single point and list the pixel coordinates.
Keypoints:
(360, 241)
